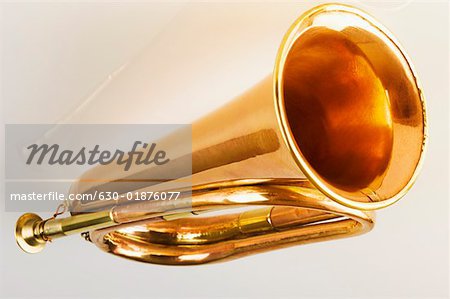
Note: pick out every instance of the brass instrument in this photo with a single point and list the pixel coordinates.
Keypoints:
(337, 131)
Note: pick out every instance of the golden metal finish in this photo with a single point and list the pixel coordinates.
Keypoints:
(295, 213)
(339, 129)
(25, 234)
(32, 232)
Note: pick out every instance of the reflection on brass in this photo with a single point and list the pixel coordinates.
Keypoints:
(336, 131)
(238, 149)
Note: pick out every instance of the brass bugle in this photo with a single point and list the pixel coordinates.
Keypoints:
(337, 131)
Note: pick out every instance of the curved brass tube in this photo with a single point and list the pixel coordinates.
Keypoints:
(295, 213)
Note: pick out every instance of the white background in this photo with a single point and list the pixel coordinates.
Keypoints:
(171, 63)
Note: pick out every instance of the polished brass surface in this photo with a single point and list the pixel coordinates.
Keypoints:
(25, 233)
(327, 74)
(337, 130)
(294, 213)
(32, 232)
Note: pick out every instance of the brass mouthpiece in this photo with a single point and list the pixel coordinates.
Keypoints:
(32, 233)
(28, 235)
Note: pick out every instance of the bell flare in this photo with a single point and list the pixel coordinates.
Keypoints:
(350, 107)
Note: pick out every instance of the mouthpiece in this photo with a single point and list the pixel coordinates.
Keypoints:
(32, 232)
(27, 233)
